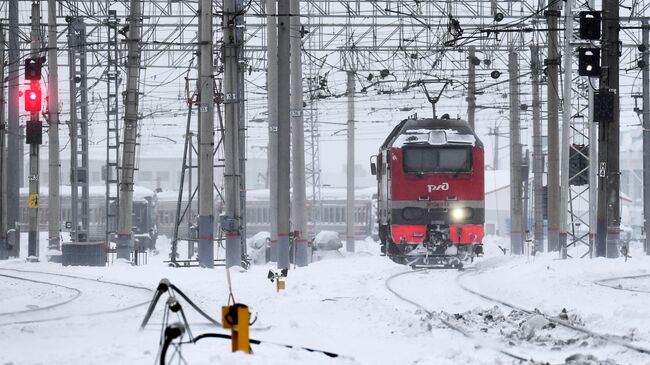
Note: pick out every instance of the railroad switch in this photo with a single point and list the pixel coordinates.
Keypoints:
(278, 278)
(236, 317)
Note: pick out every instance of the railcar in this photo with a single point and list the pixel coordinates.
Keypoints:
(431, 198)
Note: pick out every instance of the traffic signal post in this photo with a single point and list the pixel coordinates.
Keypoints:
(34, 132)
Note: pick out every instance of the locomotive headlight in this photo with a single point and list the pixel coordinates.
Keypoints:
(458, 214)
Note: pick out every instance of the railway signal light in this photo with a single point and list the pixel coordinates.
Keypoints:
(34, 132)
(33, 69)
(590, 25)
(589, 62)
(33, 100)
(603, 107)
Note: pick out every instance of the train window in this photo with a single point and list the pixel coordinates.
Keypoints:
(436, 159)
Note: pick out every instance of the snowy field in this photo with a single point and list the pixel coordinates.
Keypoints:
(361, 306)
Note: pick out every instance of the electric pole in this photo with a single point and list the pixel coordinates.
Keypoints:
(4, 250)
(566, 125)
(538, 154)
(299, 201)
(471, 86)
(608, 221)
(54, 165)
(284, 139)
(34, 145)
(516, 196)
(14, 142)
(129, 143)
(646, 134)
(272, 105)
(351, 236)
(553, 176)
(205, 248)
(233, 95)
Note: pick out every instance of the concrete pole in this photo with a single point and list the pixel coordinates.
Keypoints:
(272, 104)
(284, 131)
(516, 208)
(241, 25)
(646, 135)
(351, 236)
(232, 92)
(4, 250)
(205, 246)
(471, 87)
(299, 202)
(54, 164)
(566, 126)
(495, 157)
(538, 154)
(124, 236)
(593, 174)
(14, 142)
(33, 239)
(608, 221)
(553, 177)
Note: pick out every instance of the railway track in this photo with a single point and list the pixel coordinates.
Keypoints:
(606, 283)
(444, 318)
(79, 293)
(612, 339)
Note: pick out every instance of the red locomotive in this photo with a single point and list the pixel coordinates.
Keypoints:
(431, 199)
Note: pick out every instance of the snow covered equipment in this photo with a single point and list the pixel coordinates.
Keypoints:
(278, 278)
(236, 317)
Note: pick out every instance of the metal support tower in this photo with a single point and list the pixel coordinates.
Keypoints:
(34, 148)
(232, 96)
(299, 201)
(130, 135)
(553, 176)
(646, 134)
(312, 143)
(4, 249)
(284, 131)
(538, 153)
(79, 169)
(14, 142)
(349, 217)
(471, 86)
(54, 161)
(240, 27)
(516, 196)
(575, 189)
(112, 172)
(272, 106)
(609, 221)
(206, 137)
(566, 125)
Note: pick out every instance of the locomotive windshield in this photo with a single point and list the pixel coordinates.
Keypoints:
(437, 159)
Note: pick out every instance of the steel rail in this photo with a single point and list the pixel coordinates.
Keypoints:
(51, 306)
(603, 336)
(97, 313)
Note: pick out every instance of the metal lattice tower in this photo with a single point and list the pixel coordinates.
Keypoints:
(112, 176)
(78, 128)
(312, 141)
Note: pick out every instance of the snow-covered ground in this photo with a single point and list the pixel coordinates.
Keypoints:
(341, 305)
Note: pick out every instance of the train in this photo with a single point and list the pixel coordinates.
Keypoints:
(145, 226)
(154, 213)
(430, 193)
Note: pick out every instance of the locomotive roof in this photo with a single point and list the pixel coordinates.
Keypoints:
(447, 127)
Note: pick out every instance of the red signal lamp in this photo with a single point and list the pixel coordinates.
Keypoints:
(33, 100)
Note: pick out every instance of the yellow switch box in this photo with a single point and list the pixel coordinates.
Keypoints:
(237, 318)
